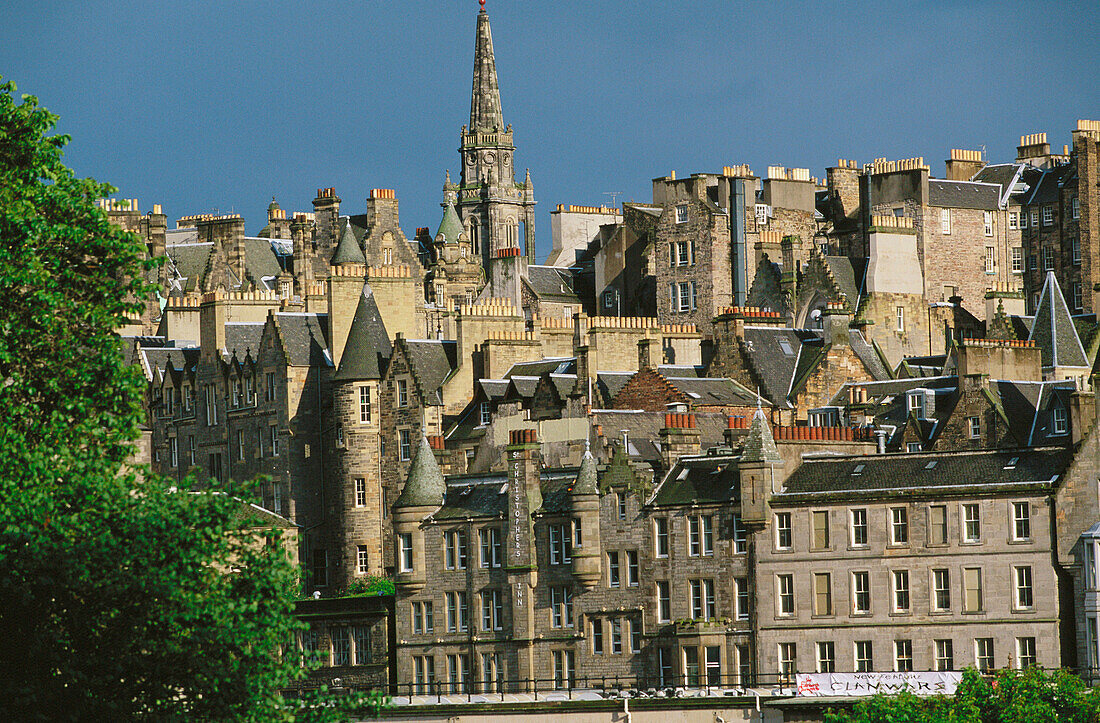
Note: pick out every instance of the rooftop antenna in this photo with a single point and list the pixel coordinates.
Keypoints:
(614, 195)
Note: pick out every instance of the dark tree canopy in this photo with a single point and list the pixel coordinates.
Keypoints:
(120, 596)
(1011, 697)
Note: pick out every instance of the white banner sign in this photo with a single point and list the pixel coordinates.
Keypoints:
(927, 683)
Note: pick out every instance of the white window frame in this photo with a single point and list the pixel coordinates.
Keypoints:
(974, 427)
(971, 522)
(1021, 521)
(945, 221)
(1048, 215)
(901, 589)
(1023, 588)
(1059, 420)
(681, 213)
(1017, 259)
(784, 595)
(987, 222)
(783, 531)
(858, 531)
(364, 405)
(899, 526)
(861, 592)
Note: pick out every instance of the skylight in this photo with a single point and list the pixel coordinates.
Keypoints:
(858, 469)
(1012, 463)
(930, 465)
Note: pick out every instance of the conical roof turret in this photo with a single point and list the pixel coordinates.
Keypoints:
(424, 486)
(450, 228)
(587, 483)
(485, 112)
(368, 348)
(348, 251)
(760, 444)
(1053, 330)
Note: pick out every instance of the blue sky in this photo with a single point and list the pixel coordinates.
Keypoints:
(203, 106)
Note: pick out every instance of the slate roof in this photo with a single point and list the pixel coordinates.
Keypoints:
(494, 388)
(643, 430)
(1004, 175)
(433, 362)
(759, 445)
(242, 338)
(1046, 188)
(305, 337)
(182, 359)
(699, 480)
(189, 261)
(424, 485)
(348, 250)
(681, 370)
(261, 261)
(848, 277)
(963, 194)
(713, 391)
(1027, 408)
(368, 347)
(867, 354)
(610, 384)
(551, 283)
(485, 495)
(941, 474)
(777, 355)
(879, 390)
(555, 365)
(1053, 330)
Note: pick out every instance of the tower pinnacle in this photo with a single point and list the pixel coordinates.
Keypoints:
(485, 112)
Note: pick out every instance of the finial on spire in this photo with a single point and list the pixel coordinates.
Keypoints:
(482, 4)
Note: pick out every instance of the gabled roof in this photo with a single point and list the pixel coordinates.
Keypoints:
(1045, 189)
(942, 474)
(699, 480)
(1053, 330)
(553, 365)
(433, 362)
(551, 283)
(305, 338)
(242, 338)
(368, 347)
(963, 194)
(848, 274)
(776, 355)
(1004, 175)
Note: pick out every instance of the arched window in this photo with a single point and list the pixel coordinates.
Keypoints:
(475, 236)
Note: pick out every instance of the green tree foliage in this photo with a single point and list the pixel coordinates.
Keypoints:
(120, 596)
(1011, 697)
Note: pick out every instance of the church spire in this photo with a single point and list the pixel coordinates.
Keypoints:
(485, 112)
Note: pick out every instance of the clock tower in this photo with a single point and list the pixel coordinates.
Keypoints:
(497, 213)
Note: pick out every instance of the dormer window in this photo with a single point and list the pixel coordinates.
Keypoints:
(916, 403)
(1059, 421)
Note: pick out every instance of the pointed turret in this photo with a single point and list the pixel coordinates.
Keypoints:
(424, 486)
(587, 552)
(368, 347)
(760, 444)
(485, 113)
(1053, 330)
(348, 251)
(586, 477)
(450, 228)
(757, 470)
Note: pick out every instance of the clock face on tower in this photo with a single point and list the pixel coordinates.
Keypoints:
(471, 158)
(490, 157)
